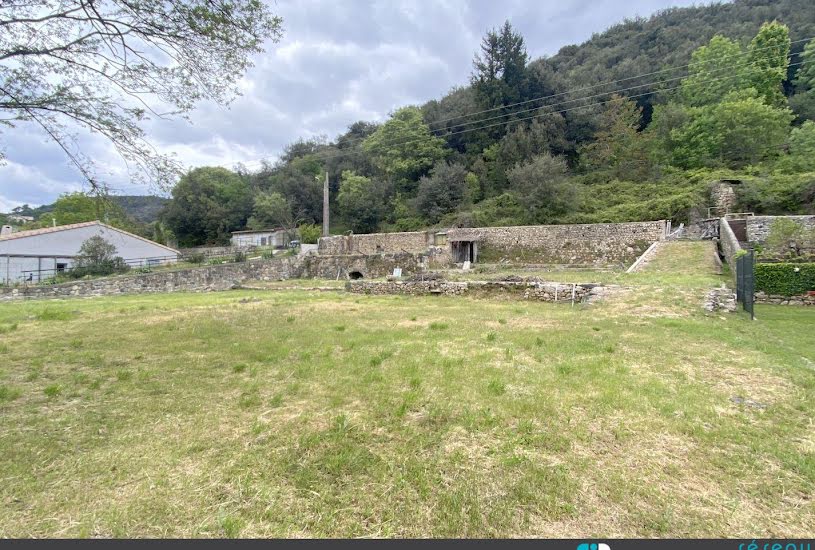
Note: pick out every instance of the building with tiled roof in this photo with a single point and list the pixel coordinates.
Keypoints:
(37, 254)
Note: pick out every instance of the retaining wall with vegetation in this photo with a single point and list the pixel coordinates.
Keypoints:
(759, 227)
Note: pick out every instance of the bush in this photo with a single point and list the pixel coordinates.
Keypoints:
(785, 279)
(309, 233)
(240, 256)
(97, 258)
(196, 258)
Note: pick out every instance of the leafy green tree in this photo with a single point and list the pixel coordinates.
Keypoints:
(361, 201)
(739, 131)
(273, 210)
(442, 192)
(207, 204)
(802, 148)
(404, 148)
(767, 62)
(619, 148)
(803, 101)
(80, 207)
(309, 233)
(542, 185)
(713, 73)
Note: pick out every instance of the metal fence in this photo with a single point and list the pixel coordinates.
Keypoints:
(41, 275)
(745, 281)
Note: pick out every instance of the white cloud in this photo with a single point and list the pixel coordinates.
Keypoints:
(338, 62)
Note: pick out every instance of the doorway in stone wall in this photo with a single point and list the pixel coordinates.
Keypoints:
(464, 251)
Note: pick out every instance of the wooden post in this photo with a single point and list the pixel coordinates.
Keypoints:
(325, 205)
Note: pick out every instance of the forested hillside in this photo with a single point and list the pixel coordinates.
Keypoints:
(633, 124)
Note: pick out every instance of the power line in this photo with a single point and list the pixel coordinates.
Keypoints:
(595, 104)
(481, 121)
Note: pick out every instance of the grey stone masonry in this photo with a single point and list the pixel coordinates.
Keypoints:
(224, 276)
(758, 227)
(519, 290)
(582, 244)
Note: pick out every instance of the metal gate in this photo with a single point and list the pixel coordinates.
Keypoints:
(745, 282)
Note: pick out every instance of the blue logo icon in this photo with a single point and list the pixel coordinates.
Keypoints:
(593, 546)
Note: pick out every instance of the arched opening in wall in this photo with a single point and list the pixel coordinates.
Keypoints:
(354, 275)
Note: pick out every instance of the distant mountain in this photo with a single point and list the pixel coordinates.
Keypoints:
(140, 208)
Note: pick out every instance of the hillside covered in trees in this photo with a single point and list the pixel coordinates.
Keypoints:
(633, 124)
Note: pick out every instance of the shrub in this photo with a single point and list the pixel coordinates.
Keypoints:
(240, 256)
(97, 257)
(309, 233)
(785, 279)
(196, 258)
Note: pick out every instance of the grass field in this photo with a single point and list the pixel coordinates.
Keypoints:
(304, 413)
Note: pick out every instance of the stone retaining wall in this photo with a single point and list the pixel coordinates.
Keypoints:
(803, 300)
(758, 227)
(414, 242)
(223, 277)
(584, 244)
(521, 290)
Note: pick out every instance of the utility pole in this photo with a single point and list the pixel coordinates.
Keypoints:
(325, 205)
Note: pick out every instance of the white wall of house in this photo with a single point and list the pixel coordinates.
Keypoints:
(260, 238)
(42, 254)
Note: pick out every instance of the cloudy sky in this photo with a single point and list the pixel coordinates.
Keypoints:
(339, 62)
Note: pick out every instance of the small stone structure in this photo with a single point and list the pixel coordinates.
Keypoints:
(721, 299)
(521, 290)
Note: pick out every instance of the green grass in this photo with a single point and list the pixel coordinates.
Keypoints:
(248, 413)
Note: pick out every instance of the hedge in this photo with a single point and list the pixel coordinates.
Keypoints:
(785, 279)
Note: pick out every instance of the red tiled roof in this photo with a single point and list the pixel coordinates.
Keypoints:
(44, 230)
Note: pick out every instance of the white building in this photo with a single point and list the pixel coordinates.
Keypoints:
(41, 253)
(276, 238)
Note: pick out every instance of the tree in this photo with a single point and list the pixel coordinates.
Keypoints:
(802, 148)
(542, 185)
(714, 72)
(442, 192)
(619, 148)
(207, 204)
(404, 148)
(107, 66)
(81, 207)
(274, 210)
(97, 257)
(803, 102)
(739, 131)
(499, 76)
(361, 202)
(767, 62)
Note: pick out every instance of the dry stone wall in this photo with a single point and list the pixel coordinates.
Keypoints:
(414, 242)
(222, 277)
(584, 244)
(758, 227)
(521, 290)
